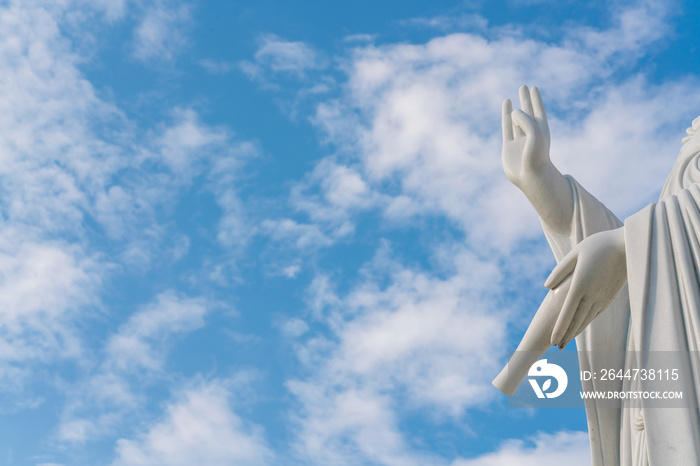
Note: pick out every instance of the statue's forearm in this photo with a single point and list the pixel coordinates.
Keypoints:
(550, 194)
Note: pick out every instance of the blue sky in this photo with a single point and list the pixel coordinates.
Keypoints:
(278, 233)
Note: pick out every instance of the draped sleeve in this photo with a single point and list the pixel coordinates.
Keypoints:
(608, 332)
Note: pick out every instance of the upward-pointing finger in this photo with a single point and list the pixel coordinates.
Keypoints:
(507, 120)
(525, 102)
(523, 123)
(538, 109)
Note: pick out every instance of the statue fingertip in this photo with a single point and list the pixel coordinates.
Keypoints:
(548, 282)
(556, 339)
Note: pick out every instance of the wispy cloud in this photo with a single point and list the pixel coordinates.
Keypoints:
(302, 235)
(199, 427)
(277, 58)
(53, 162)
(216, 66)
(139, 343)
(360, 38)
(180, 144)
(133, 358)
(112, 9)
(85, 196)
(449, 23)
(160, 33)
(408, 340)
(562, 447)
(153, 174)
(328, 198)
(46, 288)
(282, 56)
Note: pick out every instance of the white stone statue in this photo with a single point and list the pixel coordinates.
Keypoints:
(616, 288)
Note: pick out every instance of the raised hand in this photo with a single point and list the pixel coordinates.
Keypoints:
(598, 270)
(525, 137)
(525, 158)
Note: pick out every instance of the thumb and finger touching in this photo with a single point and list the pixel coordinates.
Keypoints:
(532, 107)
(523, 122)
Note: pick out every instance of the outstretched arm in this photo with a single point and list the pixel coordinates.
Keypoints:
(584, 283)
(526, 161)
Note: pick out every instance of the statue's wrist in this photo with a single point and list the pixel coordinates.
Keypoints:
(536, 176)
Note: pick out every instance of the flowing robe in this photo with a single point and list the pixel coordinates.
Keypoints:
(658, 310)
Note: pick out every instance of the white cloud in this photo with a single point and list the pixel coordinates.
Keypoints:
(321, 297)
(160, 33)
(359, 38)
(294, 328)
(51, 154)
(303, 236)
(52, 161)
(82, 193)
(353, 426)
(41, 282)
(181, 144)
(291, 271)
(411, 339)
(180, 247)
(133, 358)
(419, 125)
(280, 55)
(343, 193)
(277, 57)
(113, 9)
(626, 146)
(570, 448)
(635, 26)
(45, 289)
(216, 66)
(67, 154)
(198, 428)
(139, 342)
(236, 226)
(175, 153)
(451, 22)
